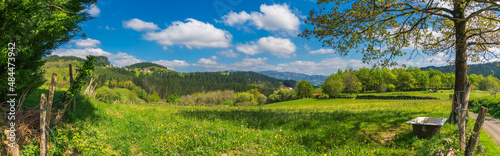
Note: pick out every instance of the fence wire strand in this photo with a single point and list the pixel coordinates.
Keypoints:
(459, 108)
(53, 136)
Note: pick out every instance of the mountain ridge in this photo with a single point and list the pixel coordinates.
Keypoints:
(316, 80)
(492, 68)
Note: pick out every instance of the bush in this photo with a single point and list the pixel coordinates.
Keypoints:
(178, 101)
(106, 94)
(228, 103)
(274, 98)
(493, 105)
(262, 99)
(282, 94)
(209, 98)
(173, 97)
(244, 99)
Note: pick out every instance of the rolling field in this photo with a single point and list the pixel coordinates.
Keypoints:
(299, 127)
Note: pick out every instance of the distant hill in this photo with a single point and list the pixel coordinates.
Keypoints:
(485, 69)
(101, 60)
(151, 66)
(316, 80)
(54, 58)
(145, 65)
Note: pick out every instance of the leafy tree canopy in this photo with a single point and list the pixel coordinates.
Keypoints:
(36, 28)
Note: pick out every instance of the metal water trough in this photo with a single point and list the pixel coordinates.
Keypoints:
(426, 127)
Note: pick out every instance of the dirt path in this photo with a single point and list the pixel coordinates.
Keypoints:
(491, 126)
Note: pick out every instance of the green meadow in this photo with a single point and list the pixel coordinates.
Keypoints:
(298, 127)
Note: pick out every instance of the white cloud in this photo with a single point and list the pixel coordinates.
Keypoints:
(274, 17)
(94, 11)
(307, 47)
(108, 28)
(228, 53)
(279, 47)
(208, 61)
(250, 62)
(191, 34)
(173, 64)
(322, 51)
(120, 59)
(139, 25)
(87, 43)
(123, 59)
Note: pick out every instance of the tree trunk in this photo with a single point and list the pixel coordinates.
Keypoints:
(461, 55)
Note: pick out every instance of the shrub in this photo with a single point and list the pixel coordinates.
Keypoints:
(262, 99)
(243, 99)
(178, 101)
(282, 94)
(209, 98)
(172, 98)
(228, 103)
(104, 93)
(493, 105)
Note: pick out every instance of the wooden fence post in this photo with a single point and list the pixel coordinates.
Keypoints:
(462, 112)
(43, 115)
(73, 103)
(51, 97)
(474, 138)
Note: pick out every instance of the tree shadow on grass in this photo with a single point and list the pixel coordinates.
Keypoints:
(84, 107)
(330, 129)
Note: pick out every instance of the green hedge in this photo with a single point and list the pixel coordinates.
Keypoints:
(492, 103)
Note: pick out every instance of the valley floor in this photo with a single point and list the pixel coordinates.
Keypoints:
(299, 127)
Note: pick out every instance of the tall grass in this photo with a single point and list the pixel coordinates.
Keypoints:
(299, 127)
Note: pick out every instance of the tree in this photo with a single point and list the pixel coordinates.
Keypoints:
(405, 80)
(351, 82)
(388, 77)
(435, 82)
(468, 29)
(304, 89)
(474, 80)
(36, 28)
(491, 84)
(421, 77)
(333, 86)
(383, 88)
(364, 76)
(494, 89)
(377, 78)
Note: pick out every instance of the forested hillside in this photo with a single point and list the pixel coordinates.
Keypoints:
(145, 65)
(478, 69)
(187, 83)
(162, 82)
(101, 60)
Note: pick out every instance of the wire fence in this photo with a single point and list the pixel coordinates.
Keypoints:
(459, 108)
(53, 136)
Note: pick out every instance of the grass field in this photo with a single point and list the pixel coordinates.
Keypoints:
(299, 127)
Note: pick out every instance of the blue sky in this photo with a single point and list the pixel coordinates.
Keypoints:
(212, 35)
